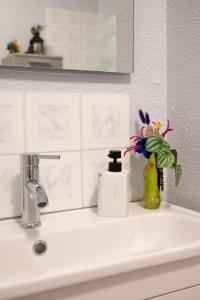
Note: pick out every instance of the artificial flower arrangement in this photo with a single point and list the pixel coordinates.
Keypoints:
(14, 46)
(152, 144)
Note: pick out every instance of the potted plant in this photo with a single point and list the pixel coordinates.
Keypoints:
(36, 44)
(152, 144)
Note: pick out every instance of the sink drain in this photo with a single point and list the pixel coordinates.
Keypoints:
(40, 248)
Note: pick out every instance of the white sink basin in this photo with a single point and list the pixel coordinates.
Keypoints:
(83, 246)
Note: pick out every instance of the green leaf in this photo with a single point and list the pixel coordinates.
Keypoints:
(165, 146)
(165, 158)
(175, 155)
(178, 173)
(154, 143)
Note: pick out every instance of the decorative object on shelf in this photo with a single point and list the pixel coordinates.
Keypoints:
(14, 47)
(36, 44)
(152, 144)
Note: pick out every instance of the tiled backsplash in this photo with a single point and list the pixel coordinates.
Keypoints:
(81, 128)
(73, 35)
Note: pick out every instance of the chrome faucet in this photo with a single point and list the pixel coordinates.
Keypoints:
(34, 195)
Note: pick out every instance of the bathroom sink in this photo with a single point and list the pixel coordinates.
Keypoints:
(84, 247)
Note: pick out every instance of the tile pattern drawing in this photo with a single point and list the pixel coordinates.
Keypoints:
(53, 122)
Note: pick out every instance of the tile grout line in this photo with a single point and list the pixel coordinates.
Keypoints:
(24, 121)
(69, 150)
(81, 150)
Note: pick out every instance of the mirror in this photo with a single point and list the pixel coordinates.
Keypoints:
(91, 35)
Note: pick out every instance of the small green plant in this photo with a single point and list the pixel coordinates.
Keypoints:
(37, 28)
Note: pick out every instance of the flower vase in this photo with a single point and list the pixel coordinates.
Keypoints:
(151, 198)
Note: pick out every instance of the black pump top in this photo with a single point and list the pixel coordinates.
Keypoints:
(115, 166)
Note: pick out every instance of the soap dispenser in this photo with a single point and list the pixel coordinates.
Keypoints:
(113, 194)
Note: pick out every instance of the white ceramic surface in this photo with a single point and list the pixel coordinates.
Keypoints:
(60, 179)
(83, 247)
(95, 161)
(105, 121)
(10, 180)
(11, 122)
(52, 121)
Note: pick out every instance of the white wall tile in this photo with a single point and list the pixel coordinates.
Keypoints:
(10, 186)
(57, 51)
(94, 162)
(11, 122)
(55, 36)
(62, 181)
(72, 39)
(89, 60)
(89, 41)
(55, 17)
(105, 121)
(52, 121)
(89, 21)
(72, 19)
(72, 59)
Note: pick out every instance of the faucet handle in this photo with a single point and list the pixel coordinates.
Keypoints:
(31, 160)
(48, 156)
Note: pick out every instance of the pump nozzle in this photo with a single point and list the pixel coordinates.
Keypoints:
(115, 166)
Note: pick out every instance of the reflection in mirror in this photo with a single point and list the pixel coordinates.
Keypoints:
(90, 35)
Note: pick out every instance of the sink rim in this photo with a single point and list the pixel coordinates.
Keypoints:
(97, 271)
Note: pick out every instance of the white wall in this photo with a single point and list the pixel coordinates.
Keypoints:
(183, 46)
(146, 86)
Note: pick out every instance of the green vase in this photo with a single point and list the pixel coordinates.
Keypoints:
(151, 198)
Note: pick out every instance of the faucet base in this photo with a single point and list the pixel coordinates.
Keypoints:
(33, 225)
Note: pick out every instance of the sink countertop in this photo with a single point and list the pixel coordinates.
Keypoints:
(83, 246)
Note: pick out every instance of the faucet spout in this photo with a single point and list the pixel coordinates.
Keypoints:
(42, 199)
(34, 195)
(38, 192)
(34, 198)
